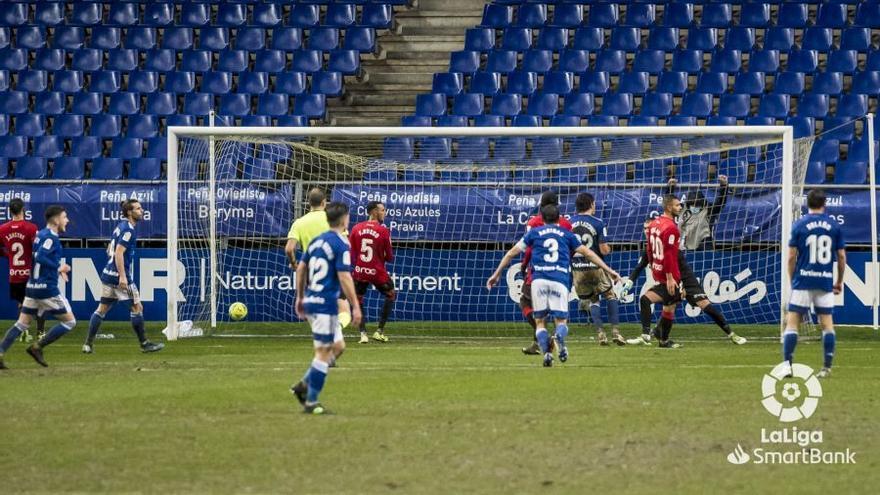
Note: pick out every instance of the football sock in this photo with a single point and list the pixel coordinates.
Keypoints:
(56, 333)
(789, 342)
(137, 324)
(543, 339)
(317, 375)
(94, 325)
(387, 306)
(645, 311)
(666, 325)
(41, 323)
(614, 313)
(561, 333)
(12, 334)
(717, 317)
(596, 314)
(829, 341)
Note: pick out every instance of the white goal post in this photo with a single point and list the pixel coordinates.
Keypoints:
(361, 149)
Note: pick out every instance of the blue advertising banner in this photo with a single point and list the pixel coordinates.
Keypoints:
(447, 285)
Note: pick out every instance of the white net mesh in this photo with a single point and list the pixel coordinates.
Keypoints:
(455, 204)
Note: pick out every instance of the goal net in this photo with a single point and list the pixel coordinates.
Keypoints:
(457, 199)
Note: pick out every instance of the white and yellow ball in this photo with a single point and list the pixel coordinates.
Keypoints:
(238, 311)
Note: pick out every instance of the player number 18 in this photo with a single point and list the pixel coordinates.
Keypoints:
(820, 248)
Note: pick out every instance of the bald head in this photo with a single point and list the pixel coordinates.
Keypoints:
(316, 198)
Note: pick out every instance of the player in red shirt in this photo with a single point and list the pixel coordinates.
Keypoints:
(525, 299)
(17, 244)
(370, 250)
(662, 250)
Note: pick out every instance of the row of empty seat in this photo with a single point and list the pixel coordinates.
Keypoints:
(75, 168)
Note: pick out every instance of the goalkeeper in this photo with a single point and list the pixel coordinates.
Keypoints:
(693, 292)
(697, 221)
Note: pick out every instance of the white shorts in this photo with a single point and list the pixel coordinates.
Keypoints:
(112, 293)
(821, 301)
(326, 329)
(57, 305)
(549, 298)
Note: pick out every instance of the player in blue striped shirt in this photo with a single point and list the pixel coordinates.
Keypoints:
(41, 292)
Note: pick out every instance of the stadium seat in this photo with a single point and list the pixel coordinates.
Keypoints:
(501, 61)
(398, 148)
(68, 125)
(143, 82)
(216, 82)
(603, 15)
(553, 39)
(696, 105)
(766, 61)
(740, 38)
(479, 39)
(726, 61)
(487, 83)
(13, 146)
(180, 82)
(452, 121)
(286, 39)
(539, 61)
(524, 83)
(161, 60)
(377, 16)
(813, 105)
(256, 121)
(327, 83)
(754, 15)
(177, 38)
(531, 15)
(567, 15)
(852, 105)
(650, 61)
(13, 102)
(558, 82)
(868, 14)
(625, 38)
(29, 124)
(122, 14)
(69, 37)
(506, 104)
(312, 106)
(716, 15)
(160, 104)
(4, 80)
(851, 172)
(633, 82)
(858, 149)
(145, 169)
(126, 148)
(705, 39)
(124, 60)
(105, 126)
(656, 105)
(158, 14)
(87, 104)
(67, 81)
(681, 120)
(547, 148)
(803, 126)
(85, 13)
(617, 104)
(231, 14)
(673, 82)
(87, 60)
(304, 15)
(873, 62)
(734, 105)
(586, 149)
(792, 15)
(588, 38)
(574, 60)
(435, 148)
(774, 105)
(856, 38)
(642, 121)
(32, 81)
(789, 83)
(721, 119)
(50, 59)
(259, 169)
(663, 38)
(865, 82)
(473, 148)
(250, 39)
(640, 15)
(142, 126)
(712, 82)
(198, 103)
(107, 168)
(49, 14)
(690, 61)
(832, 15)
(510, 148)
(779, 38)
(253, 82)
(323, 38)
(825, 150)
(157, 147)
(679, 15)
(816, 173)
(69, 168)
(839, 128)
(470, 104)
(237, 61)
(293, 83)
(49, 146)
(235, 105)
(431, 105)
(30, 37)
(612, 61)
(830, 83)
(104, 38)
(802, 61)
(29, 167)
(543, 104)
(497, 16)
(595, 82)
(465, 61)
(308, 61)
(275, 104)
(817, 38)
(362, 39)
(88, 147)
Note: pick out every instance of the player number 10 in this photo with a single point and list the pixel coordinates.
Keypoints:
(820, 248)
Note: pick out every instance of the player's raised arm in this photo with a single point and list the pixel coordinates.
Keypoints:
(512, 253)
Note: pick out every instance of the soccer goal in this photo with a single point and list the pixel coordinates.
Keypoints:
(457, 198)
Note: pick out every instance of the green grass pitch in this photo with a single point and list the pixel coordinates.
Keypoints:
(442, 414)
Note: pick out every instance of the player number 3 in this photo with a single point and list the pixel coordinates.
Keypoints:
(553, 247)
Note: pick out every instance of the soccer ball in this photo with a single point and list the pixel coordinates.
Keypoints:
(237, 311)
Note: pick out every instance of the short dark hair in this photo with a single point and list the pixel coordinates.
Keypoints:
(550, 214)
(584, 201)
(336, 211)
(316, 197)
(127, 206)
(549, 198)
(16, 206)
(668, 200)
(816, 199)
(372, 205)
(53, 211)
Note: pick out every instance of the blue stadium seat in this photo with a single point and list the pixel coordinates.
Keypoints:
(161, 104)
(488, 121)
(309, 61)
(852, 105)
(323, 38)
(789, 83)
(69, 37)
(304, 15)
(578, 104)
(603, 120)
(237, 61)
(293, 83)
(105, 126)
(726, 61)
(734, 105)
(779, 38)
(172, 120)
(107, 168)
(663, 38)
(50, 59)
(312, 106)
(873, 62)
(574, 60)
(673, 82)
(792, 15)
(259, 169)
(716, 15)
(122, 14)
(740, 38)
(851, 172)
(13, 146)
(696, 105)
(49, 146)
(398, 148)
(5, 37)
(712, 82)
(216, 82)
(435, 148)
(802, 126)
(256, 121)
(141, 38)
(858, 149)
(142, 126)
(69, 168)
(231, 14)
(13, 102)
(755, 15)
(766, 61)
(656, 105)
(85, 13)
(146, 169)
(567, 15)
(105, 38)
(270, 61)
(595, 82)
(856, 38)
(250, 38)
(539, 61)
(832, 15)
(50, 103)
(554, 39)
(4, 80)
(830, 83)
(543, 104)
(198, 103)
(510, 148)
(157, 147)
(865, 82)
(678, 15)
(558, 82)
(816, 173)
(362, 39)
(497, 16)
(180, 82)
(487, 83)
(588, 38)
(547, 148)
(431, 105)
(143, 81)
(30, 37)
(633, 82)
(774, 105)
(531, 15)
(604, 15)
(158, 14)
(87, 104)
(802, 61)
(468, 104)
(761, 120)
(378, 16)
(516, 39)
(705, 39)
(277, 104)
(287, 39)
(126, 148)
(642, 121)
(817, 38)
(49, 14)
(87, 60)
(585, 149)
(327, 83)
(234, 104)
(839, 128)
(650, 61)
(161, 60)
(506, 104)
(452, 121)
(29, 124)
(123, 60)
(479, 39)
(253, 82)
(625, 38)
(640, 15)
(473, 148)
(524, 83)
(177, 38)
(68, 125)
(501, 61)
(32, 81)
(690, 61)
(339, 15)
(868, 14)
(86, 147)
(612, 61)
(466, 61)
(721, 119)
(681, 120)
(29, 167)
(617, 104)
(266, 15)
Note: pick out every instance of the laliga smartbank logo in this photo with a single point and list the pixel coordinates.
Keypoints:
(790, 394)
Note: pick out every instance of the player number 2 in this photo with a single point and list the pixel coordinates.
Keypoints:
(17, 254)
(318, 269)
(366, 250)
(553, 246)
(820, 248)
(587, 240)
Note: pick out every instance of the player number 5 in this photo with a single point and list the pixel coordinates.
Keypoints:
(366, 250)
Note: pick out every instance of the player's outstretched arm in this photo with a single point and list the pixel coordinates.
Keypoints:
(508, 257)
(302, 274)
(841, 269)
(639, 268)
(347, 284)
(590, 255)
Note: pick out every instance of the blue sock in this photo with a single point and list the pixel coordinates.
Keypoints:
(13, 333)
(94, 325)
(317, 375)
(543, 339)
(137, 324)
(614, 312)
(561, 334)
(789, 342)
(829, 341)
(305, 378)
(57, 332)
(596, 314)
